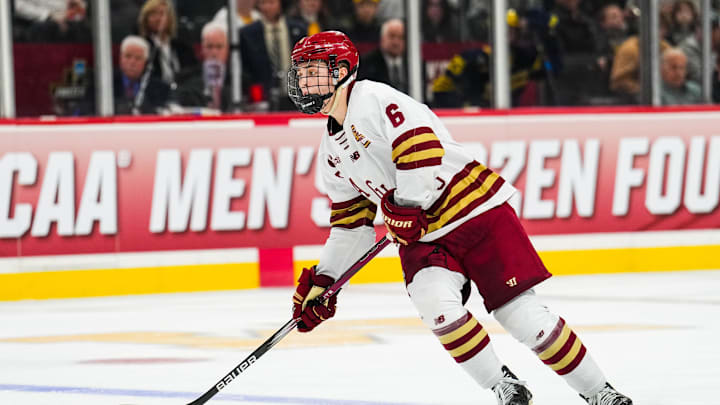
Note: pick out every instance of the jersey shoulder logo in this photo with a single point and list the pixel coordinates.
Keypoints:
(359, 137)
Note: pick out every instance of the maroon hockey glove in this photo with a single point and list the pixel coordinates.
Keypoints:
(406, 224)
(312, 314)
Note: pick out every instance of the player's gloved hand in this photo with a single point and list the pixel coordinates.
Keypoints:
(406, 224)
(310, 286)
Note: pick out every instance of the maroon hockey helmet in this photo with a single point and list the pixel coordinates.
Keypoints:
(330, 47)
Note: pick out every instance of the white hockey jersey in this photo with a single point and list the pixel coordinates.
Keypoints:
(388, 140)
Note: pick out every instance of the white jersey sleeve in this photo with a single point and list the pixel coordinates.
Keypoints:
(351, 221)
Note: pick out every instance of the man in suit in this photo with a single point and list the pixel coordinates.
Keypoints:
(387, 64)
(209, 85)
(265, 51)
(135, 91)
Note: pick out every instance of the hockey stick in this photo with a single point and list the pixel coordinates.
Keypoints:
(291, 324)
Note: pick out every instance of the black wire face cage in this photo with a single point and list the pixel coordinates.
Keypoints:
(310, 98)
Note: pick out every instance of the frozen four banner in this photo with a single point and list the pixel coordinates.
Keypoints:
(154, 186)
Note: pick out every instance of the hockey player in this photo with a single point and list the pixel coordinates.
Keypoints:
(448, 212)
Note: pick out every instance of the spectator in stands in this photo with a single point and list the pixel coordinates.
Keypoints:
(365, 26)
(691, 47)
(314, 13)
(68, 24)
(685, 20)
(135, 91)
(625, 72)
(265, 47)
(388, 63)
(676, 89)
(123, 19)
(168, 55)
(209, 86)
(391, 9)
(246, 13)
(612, 32)
(466, 82)
(439, 22)
(577, 39)
(575, 28)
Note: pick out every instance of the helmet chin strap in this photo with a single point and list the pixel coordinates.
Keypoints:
(341, 85)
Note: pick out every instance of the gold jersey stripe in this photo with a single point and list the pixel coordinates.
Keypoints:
(459, 332)
(366, 213)
(555, 347)
(422, 155)
(415, 140)
(570, 356)
(363, 203)
(461, 185)
(464, 202)
(469, 345)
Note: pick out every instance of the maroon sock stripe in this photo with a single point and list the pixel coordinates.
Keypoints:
(453, 325)
(475, 350)
(574, 363)
(552, 338)
(563, 351)
(463, 339)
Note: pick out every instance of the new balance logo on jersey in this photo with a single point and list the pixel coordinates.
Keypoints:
(355, 156)
(440, 319)
(512, 282)
(398, 224)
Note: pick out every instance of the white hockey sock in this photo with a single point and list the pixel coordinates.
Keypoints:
(552, 340)
(469, 344)
(435, 291)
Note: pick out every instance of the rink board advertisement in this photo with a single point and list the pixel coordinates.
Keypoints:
(116, 207)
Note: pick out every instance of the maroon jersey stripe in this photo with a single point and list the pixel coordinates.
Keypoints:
(436, 161)
(475, 350)
(573, 364)
(418, 148)
(372, 210)
(409, 134)
(346, 204)
(455, 180)
(358, 223)
(467, 190)
(473, 204)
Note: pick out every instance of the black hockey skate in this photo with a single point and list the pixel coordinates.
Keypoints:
(608, 396)
(511, 391)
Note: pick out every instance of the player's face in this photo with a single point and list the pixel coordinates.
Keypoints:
(314, 78)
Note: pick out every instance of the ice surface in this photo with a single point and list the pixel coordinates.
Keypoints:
(654, 334)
